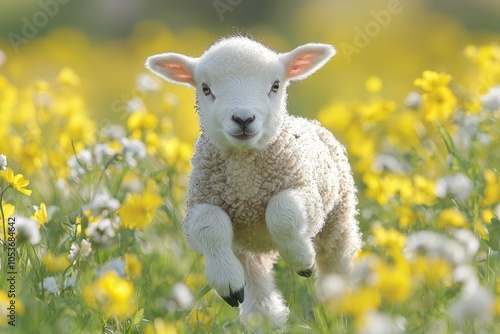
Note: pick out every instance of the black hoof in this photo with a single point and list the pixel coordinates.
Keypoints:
(235, 297)
(305, 273)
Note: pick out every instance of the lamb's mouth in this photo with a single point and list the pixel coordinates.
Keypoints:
(244, 136)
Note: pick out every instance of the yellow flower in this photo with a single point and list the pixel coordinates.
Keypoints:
(133, 265)
(56, 263)
(337, 117)
(394, 280)
(202, 319)
(439, 104)
(358, 302)
(41, 215)
(390, 239)
(431, 80)
(68, 76)
(5, 303)
(8, 211)
(492, 189)
(17, 181)
(138, 210)
(141, 120)
(430, 270)
(407, 216)
(111, 293)
(373, 85)
(159, 326)
(452, 218)
(420, 192)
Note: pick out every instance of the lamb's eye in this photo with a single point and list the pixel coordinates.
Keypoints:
(206, 90)
(275, 87)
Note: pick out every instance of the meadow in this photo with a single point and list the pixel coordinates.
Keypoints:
(91, 204)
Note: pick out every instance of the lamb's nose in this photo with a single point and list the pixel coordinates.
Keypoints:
(243, 123)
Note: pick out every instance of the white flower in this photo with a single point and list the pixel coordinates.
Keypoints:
(80, 163)
(182, 296)
(379, 323)
(27, 229)
(135, 104)
(476, 305)
(466, 276)
(147, 82)
(70, 281)
(50, 285)
(491, 100)
(133, 149)
(3, 162)
(118, 265)
(387, 162)
(102, 233)
(113, 131)
(468, 241)
(436, 245)
(2, 57)
(457, 185)
(73, 251)
(103, 153)
(413, 100)
(102, 203)
(85, 248)
(331, 287)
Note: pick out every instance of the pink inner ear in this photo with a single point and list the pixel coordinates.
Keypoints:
(301, 64)
(178, 72)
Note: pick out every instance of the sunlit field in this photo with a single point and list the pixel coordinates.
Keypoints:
(93, 179)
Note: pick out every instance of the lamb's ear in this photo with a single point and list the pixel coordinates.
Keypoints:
(305, 60)
(173, 67)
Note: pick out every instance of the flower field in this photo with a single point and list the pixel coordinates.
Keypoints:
(91, 201)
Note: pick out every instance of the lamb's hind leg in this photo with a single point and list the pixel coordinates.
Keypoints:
(209, 231)
(339, 239)
(286, 219)
(263, 302)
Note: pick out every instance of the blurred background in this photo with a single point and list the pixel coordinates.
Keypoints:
(105, 42)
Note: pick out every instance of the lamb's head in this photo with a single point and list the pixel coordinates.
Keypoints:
(240, 87)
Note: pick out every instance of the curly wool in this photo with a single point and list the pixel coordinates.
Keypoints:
(303, 156)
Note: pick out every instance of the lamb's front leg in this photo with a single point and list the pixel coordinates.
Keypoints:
(286, 219)
(209, 231)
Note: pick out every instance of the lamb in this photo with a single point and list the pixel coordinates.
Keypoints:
(263, 182)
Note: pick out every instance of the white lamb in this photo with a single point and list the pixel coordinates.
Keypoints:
(263, 181)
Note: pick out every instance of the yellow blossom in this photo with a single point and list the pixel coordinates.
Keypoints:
(394, 280)
(452, 218)
(17, 181)
(201, 319)
(41, 214)
(430, 270)
(431, 80)
(138, 210)
(5, 303)
(407, 216)
(439, 104)
(8, 211)
(111, 293)
(388, 238)
(133, 266)
(141, 120)
(358, 301)
(492, 189)
(56, 263)
(159, 326)
(373, 84)
(68, 76)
